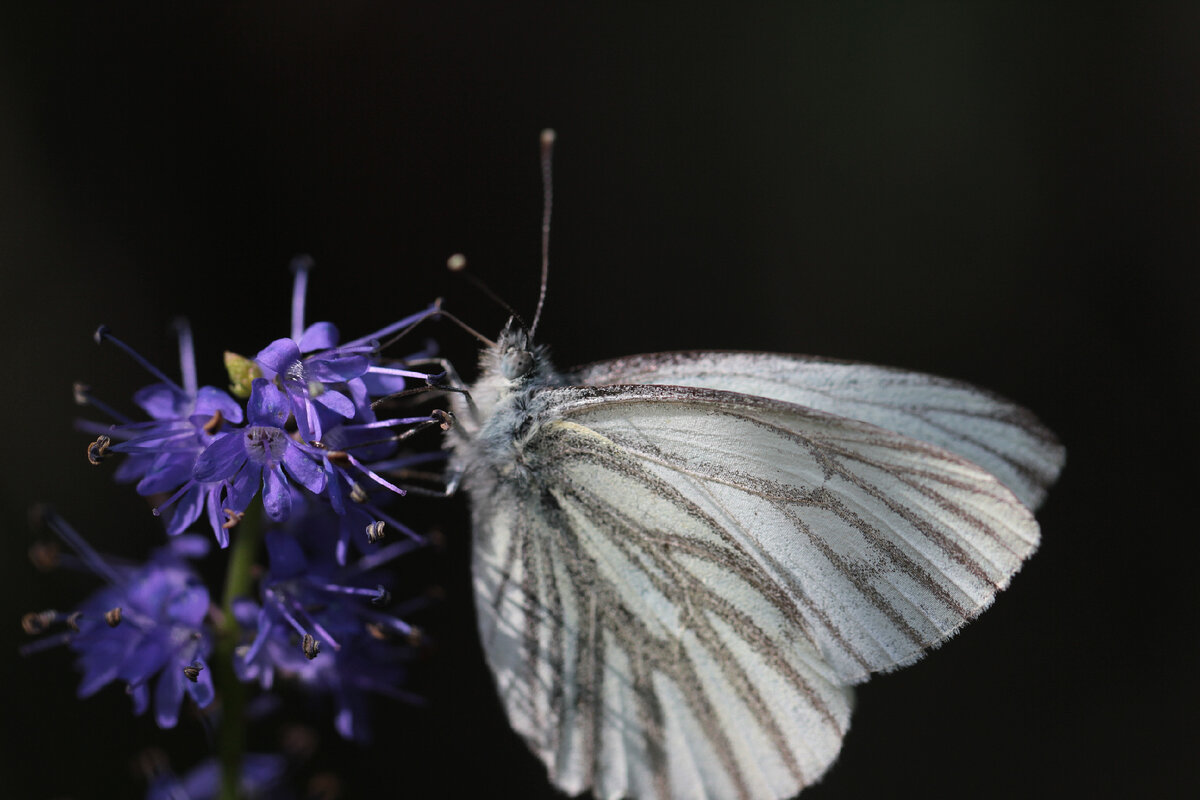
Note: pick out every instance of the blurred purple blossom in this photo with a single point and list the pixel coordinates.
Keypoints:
(146, 625)
(260, 774)
(326, 626)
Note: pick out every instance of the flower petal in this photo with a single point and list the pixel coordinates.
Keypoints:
(360, 395)
(161, 401)
(202, 690)
(221, 459)
(277, 498)
(278, 357)
(189, 546)
(344, 722)
(260, 638)
(133, 467)
(304, 469)
(305, 414)
(336, 402)
(169, 471)
(168, 696)
(140, 695)
(216, 519)
(187, 510)
(244, 486)
(102, 662)
(381, 384)
(144, 660)
(189, 606)
(267, 404)
(211, 399)
(335, 488)
(337, 370)
(245, 611)
(318, 336)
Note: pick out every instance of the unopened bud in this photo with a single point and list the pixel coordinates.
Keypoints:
(242, 372)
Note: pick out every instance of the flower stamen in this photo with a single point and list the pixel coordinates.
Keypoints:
(36, 622)
(214, 423)
(310, 646)
(99, 450)
(103, 334)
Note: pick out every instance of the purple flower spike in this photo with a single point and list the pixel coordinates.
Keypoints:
(146, 626)
(324, 625)
(262, 453)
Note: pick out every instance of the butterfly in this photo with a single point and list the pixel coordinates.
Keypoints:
(683, 562)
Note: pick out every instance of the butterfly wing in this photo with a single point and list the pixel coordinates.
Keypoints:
(675, 585)
(998, 435)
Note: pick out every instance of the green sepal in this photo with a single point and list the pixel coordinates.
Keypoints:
(242, 372)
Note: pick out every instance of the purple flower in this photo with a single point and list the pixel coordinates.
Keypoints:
(321, 388)
(326, 384)
(263, 453)
(147, 625)
(324, 626)
(162, 451)
(261, 772)
(321, 385)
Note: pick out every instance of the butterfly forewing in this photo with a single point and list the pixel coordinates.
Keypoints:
(885, 545)
(1000, 436)
(677, 589)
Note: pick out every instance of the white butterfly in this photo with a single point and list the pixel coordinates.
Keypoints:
(683, 561)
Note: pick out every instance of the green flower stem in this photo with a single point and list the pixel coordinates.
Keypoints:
(246, 539)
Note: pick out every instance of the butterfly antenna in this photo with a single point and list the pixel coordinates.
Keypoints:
(457, 263)
(444, 314)
(547, 206)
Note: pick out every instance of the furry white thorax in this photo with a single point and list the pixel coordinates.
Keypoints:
(504, 411)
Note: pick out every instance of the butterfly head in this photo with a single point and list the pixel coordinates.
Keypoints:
(513, 371)
(516, 352)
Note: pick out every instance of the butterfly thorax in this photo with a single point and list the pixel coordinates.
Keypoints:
(505, 410)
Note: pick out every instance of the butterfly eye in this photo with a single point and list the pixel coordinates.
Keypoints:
(516, 364)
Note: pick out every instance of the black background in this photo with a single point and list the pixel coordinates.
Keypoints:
(1005, 193)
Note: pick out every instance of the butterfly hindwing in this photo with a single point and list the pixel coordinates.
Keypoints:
(677, 584)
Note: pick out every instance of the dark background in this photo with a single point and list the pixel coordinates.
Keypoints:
(1005, 193)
